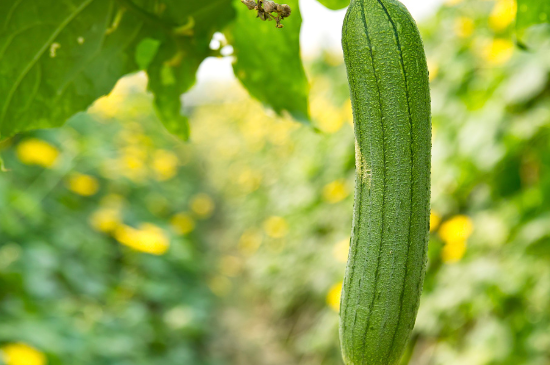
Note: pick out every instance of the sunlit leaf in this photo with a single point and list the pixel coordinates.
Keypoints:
(334, 4)
(268, 61)
(532, 12)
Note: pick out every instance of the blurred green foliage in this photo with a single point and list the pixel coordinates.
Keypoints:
(119, 245)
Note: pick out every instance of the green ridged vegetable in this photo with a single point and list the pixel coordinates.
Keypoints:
(389, 87)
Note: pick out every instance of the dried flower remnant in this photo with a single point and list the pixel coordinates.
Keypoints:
(266, 8)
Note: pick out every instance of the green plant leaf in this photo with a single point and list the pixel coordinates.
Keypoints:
(268, 61)
(58, 57)
(334, 4)
(172, 71)
(531, 12)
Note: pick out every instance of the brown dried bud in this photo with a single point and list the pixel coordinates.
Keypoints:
(263, 15)
(279, 25)
(250, 4)
(270, 6)
(285, 12)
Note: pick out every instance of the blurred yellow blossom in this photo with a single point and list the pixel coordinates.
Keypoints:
(276, 227)
(435, 219)
(202, 205)
(503, 14)
(164, 165)
(148, 238)
(280, 132)
(105, 219)
(458, 228)
(498, 51)
(254, 132)
(347, 112)
(133, 135)
(82, 184)
(131, 163)
(464, 27)
(341, 250)
(112, 105)
(230, 265)
(107, 106)
(220, 285)
(182, 223)
(335, 191)
(433, 69)
(37, 152)
(333, 296)
(455, 232)
(453, 251)
(250, 180)
(328, 118)
(250, 241)
(22, 354)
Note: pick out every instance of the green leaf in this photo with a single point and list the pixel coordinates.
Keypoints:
(172, 71)
(58, 56)
(2, 165)
(531, 12)
(334, 4)
(146, 51)
(268, 61)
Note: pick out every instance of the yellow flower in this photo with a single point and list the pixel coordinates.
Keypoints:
(250, 241)
(111, 105)
(503, 14)
(37, 152)
(148, 238)
(498, 52)
(202, 205)
(453, 251)
(329, 119)
(435, 219)
(335, 191)
(455, 232)
(81, 184)
(464, 27)
(433, 69)
(105, 219)
(182, 223)
(347, 112)
(107, 106)
(108, 217)
(250, 180)
(220, 285)
(341, 250)
(457, 229)
(22, 354)
(165, 165)
(276, 227)
(333, 296)
(230, 265)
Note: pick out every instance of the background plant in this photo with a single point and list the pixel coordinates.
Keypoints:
(120, 245)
